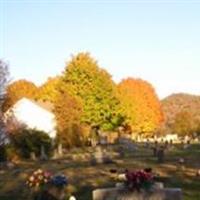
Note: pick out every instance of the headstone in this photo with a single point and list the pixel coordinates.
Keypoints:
(17, 171)
(166, 144)
(2, 171)
(55, 154)
(181, 162)
(72, 198)
(32, 156)
(198, 173)
(147, 144)
(127, 144)
(185, 146)
(155, 150)
(158, 185)
(60, 149)
(93, 142)
(10, 165)
(101, 156)
(121, 177)
(121, 152)
(161, 154)
(43, 155)
(103, 140)
(121, 194)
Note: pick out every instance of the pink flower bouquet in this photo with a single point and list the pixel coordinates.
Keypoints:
(38, 178)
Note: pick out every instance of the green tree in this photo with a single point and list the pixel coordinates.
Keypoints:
(94, 88)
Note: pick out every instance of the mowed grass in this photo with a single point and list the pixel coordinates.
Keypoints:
(84, 178)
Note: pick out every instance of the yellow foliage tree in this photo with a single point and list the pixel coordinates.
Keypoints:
(49, 90)
(140, 105)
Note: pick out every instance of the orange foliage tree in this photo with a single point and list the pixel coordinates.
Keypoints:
(18, 90)
(68, 112)
(140, 105)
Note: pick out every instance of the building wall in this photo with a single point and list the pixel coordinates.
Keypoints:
(34, 116)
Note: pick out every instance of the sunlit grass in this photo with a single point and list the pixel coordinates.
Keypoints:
(84, 178)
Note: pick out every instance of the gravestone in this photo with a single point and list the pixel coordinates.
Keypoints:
(55, 154)
(185, 146)
(166, 144)
(100, 156)
(161, 154)
(127, 144)
(155, 151)
(147, 143)
(43, 155)
(103, 140)
(72, 198)
(60, 150)
(10, 165)
(181, 163)
(94, 142)
(155, 148)
(198, 173)
(33, 156)
(121, 152)
(121, 194)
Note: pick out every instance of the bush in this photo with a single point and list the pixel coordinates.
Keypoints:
(8, 153)
(3, 155)
(26, 141)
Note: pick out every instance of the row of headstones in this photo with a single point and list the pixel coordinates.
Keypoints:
(160, 149)
(58, 152)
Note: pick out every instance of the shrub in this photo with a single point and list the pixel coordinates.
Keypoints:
(30, 140)
(3, 155)
(8, 153)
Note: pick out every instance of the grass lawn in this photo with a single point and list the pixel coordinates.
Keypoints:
(84, 178)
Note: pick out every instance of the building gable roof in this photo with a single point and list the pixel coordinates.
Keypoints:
(44, 104)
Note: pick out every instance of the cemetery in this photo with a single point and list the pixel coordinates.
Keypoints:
(92, 174)
(57, 145)
(99, 100)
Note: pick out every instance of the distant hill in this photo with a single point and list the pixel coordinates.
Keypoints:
(181, 102)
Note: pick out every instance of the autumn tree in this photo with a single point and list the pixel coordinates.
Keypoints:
(184, 124)
(94, 88)
(68, 113)
(179, 106)
(140, 105)
(48, 91)
(18, 90)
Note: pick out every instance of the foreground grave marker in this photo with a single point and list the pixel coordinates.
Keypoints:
(121, 194)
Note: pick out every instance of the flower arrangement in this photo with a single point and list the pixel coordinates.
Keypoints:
(59, 180)
(38, 178)
(138, 180)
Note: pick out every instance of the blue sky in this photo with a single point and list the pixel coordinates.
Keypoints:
(158, 41)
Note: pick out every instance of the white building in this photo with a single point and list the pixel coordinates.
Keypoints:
(34, 115)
